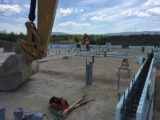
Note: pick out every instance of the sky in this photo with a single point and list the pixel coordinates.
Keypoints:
(87, 16)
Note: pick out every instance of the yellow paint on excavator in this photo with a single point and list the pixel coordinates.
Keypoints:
(19, 67)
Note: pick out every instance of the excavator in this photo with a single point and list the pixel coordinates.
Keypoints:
(18, 68)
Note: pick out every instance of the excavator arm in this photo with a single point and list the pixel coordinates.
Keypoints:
(38, 38)
(20, 67)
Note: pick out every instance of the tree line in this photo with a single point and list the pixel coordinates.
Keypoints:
(67, 38)
(141, 39)
(11, 37)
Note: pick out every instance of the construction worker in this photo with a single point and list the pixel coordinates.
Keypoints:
(142, 49)
(87, 42)
(78, 45)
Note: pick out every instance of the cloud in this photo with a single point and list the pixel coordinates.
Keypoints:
(119, 15)
(90, 15)
(8, 9)
(9, 27)
(65, 11)
(26, 6)
(22, 19)
(152, 2)
(154, 11)
(104, 18)
(74, 24)
(141, 14)
(145, 13)
(129, 25)
(135, 13)
(6, 1)
(69, 11)
(111, 10)
(130, 12)
(90, 2)
(14, 20)
(98, 18)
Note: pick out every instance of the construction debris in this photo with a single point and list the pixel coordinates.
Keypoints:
(61, 109)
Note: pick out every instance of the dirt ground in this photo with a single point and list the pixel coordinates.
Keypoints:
(66, 78)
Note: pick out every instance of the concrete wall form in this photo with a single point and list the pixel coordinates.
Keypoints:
(145, 109)
(120, 103)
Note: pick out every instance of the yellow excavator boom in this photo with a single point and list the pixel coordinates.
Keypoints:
(38, 39)
(19, 67)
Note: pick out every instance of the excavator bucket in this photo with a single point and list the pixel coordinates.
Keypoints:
(16, 70)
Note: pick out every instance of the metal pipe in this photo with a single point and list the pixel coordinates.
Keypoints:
(2, 113)
(18, 114)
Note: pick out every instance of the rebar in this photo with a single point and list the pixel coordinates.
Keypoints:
(131, 101)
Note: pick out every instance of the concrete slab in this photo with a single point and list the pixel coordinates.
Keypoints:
(66, 78)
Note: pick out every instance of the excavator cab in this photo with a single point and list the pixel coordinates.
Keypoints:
(20, 67)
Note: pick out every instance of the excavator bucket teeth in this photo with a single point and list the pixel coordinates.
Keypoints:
(15, 71)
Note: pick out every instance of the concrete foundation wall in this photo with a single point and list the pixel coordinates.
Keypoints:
(145, 107)
(147, 96)
(120, 103)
